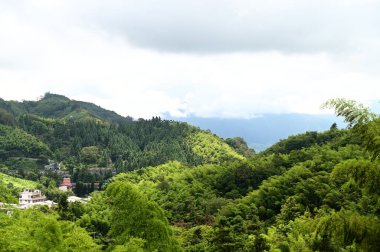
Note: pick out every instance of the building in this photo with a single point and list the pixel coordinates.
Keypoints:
(77, 199)
(66, 185)
(53, 166)
(30, 197)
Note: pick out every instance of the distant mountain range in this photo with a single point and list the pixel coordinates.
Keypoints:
(260, 132)
(265, 130)
(82, 134)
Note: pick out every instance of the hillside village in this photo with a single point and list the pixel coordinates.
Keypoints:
(29, 198)
(157, 185)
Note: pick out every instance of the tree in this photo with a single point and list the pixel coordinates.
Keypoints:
(33, 230)
(240, 145)
(364, 123)
(355, 114)
(334, 126)
(6, 118)
(90, 154)
(134, 216)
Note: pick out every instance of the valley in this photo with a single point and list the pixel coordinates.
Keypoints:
(165, 185)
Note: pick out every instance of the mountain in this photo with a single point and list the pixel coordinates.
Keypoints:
(59, 106)
(263, 131)
(315, 191)
(92, 143)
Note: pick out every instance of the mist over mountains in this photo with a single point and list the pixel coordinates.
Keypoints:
(154, 176)
(261, 132)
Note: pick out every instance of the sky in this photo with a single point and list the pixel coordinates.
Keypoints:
(205, 58)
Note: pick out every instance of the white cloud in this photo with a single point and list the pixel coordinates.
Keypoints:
(237, 25)
(95, 51)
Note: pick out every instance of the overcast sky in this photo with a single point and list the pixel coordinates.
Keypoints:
(209, 58)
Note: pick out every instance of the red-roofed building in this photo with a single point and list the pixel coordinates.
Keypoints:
(66, 185)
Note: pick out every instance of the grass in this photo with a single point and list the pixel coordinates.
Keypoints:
(17, 182)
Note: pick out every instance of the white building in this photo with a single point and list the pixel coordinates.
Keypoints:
(77, 199)
(30, 197)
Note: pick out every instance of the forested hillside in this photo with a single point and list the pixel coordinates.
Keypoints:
(181, 189)
(92, 144)
(59, 106)
(10, 187)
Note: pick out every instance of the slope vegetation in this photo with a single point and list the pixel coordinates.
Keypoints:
(92, 143)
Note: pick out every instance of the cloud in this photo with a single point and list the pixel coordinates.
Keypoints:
(213, 26)
(207, 58)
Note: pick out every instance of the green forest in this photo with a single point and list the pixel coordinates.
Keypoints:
(159, 185)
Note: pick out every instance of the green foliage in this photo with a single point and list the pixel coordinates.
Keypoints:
(59, 106)
(96, 218)
(193, 195)
(237, 229)
(309, 192)
(90, 154)
(132, 245)
(126, 145)
(353, 113)
(364, 172)
(15, 142)
(134, 216)
(6, 118)
(332, 137)
(10, 187)
(240, 146)
(32, 230)
(332, 231)
(92, 143)
(197, 239)
(8, 194)
(76, 239)
(364, 123)
(17, 183)
(211, 148)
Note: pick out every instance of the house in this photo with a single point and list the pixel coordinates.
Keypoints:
(53, 166)
(66, 185)
(30, 197)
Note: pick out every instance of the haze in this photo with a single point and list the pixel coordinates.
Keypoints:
(225, 58)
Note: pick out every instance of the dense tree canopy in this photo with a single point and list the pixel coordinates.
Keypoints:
(33, 230)
(167, 186)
